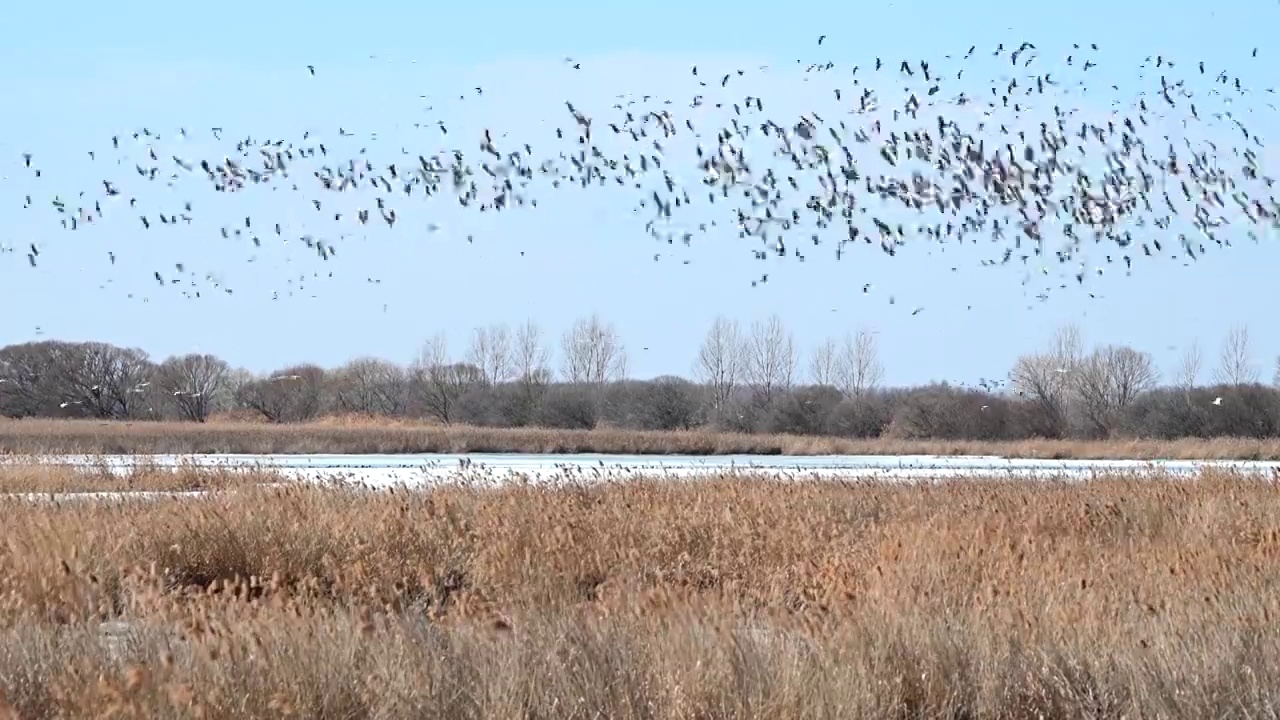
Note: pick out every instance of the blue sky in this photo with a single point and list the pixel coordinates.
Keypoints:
(77, 75)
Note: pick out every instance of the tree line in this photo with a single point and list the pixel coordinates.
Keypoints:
(752, 379)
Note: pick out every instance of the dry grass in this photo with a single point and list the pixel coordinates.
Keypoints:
(346, 435)
(28, 475)
(733, 597)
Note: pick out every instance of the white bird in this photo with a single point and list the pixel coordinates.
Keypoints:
(1217, 401)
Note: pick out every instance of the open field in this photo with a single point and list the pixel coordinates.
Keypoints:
(115, 437)
(729, 597)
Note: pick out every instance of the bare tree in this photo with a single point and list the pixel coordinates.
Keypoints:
(440, 383)
(237, 380)
(667, 403)
(1235, 366)
(1067, 346)
(531, 358)
(102, 380)
(719, 364)
(858, 367)
(1108, 381)
(370, 386)
(1189, 368)
(593, 352)
(293, 394)
(29, 379)
(532, 372)
(1275, 380)
(1045, 380)
(131, 373)
(491, 353)
(1039, 380)
(770, 359)
(822, 364)
(195, 384)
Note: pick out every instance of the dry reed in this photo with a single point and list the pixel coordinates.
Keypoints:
(32, 475)
(730, 597)
(348, 436)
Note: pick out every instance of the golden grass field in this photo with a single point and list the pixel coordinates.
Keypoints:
(734, 597)
(346, 436)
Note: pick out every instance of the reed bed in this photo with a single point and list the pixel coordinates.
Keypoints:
(729, 597)
(347, 436)
(28, 475)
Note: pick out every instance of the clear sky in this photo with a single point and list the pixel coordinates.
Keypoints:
(77, 73)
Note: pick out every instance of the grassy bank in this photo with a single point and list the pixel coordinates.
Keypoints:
(725, 598)
(85, 436)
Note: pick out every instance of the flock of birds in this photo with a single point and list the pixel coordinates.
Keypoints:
(1039, 170)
